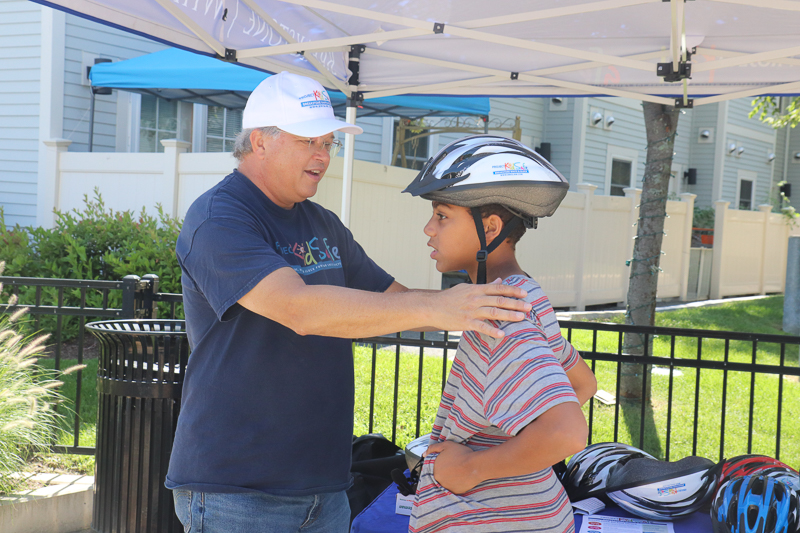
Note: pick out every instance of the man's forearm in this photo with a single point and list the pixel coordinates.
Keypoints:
(348, 313)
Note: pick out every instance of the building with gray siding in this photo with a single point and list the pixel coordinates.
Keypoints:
(45, 95)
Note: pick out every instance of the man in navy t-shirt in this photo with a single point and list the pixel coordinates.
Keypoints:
(274, 287)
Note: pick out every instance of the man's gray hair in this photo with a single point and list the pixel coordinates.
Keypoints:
(242, 146)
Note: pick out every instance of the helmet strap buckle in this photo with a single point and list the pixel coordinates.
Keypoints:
(481, 256)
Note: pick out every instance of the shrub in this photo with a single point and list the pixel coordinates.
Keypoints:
(95, 243)
(28, 421)
(703, 218)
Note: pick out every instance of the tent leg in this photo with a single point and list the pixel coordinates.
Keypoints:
(347, 175)
(91, 120)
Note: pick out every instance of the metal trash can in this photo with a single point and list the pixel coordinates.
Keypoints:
(139, 382)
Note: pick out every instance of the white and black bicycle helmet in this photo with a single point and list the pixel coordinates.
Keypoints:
(415, 449)
(486, 169)
(588, 470)
(755, 504)
(659, 490)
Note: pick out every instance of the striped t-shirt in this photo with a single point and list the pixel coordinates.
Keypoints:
(496, 388)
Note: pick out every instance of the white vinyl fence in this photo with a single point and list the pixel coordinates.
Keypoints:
(579, 255)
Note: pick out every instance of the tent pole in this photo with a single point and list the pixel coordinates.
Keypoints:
(347, 175)
(354, 100)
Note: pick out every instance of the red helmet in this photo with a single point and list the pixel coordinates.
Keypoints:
(753, 465)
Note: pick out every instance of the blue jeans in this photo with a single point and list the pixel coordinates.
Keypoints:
(255, 512)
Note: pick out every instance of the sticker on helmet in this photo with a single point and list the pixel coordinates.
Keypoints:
(672, 489)
(510, 169)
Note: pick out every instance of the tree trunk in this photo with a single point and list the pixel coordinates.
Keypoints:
(661, 123)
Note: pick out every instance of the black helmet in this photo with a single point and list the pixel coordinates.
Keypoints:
(588, 470)
(755, 504)
(659, 490)
(486, 169)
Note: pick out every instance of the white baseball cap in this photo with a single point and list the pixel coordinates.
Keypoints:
(295, 104)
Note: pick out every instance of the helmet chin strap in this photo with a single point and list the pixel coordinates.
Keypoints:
(486, 250)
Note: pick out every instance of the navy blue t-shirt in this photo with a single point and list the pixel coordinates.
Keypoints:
(263, 409)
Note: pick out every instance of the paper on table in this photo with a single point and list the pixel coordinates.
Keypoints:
(615, 524)
(588, 506)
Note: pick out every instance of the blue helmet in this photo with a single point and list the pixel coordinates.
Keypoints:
(755, 504)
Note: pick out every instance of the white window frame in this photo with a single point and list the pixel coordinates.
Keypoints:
(622, 154)
(136, 121)
(199, 126)
(750, 176)
(387, 136)
(387, 141)
(676, 179)
(205, 127)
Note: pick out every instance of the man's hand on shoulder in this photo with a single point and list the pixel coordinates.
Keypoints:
(284, 297)
(470, 307)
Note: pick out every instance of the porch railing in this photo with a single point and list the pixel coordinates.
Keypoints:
(704, 387)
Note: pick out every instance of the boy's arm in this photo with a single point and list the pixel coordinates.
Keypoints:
(554, 435)
(582, 380)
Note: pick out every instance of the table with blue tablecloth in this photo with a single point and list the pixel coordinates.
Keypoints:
(380, 517)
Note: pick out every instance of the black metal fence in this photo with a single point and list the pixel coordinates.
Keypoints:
(711, 393)
(67, 302)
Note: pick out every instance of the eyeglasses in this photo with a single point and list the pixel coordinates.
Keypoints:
(316, 144)
(331, 147)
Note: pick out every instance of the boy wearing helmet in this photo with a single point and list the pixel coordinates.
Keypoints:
(511, 407)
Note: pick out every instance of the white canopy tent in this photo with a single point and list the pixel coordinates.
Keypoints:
(713, 50)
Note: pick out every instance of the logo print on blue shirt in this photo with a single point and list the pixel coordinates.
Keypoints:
(315, 255)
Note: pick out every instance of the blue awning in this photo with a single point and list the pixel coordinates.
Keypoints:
(176, 74)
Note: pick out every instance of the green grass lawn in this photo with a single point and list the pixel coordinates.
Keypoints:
(400, 373)
(758, 316)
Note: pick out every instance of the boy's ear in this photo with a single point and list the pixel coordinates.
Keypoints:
(492, 226)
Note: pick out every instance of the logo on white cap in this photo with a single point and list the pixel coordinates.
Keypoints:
(316, 99)
(295, 104)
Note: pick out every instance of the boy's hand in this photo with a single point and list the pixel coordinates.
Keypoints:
(468, 307)
(450, 468)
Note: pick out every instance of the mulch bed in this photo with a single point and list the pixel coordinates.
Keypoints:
(69, 349)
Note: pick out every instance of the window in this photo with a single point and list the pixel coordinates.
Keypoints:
(413, 153)
(162, 119)
(675, 180)
(745, 189)
(222, 126)
(620, 177)
(746, 194)
(620, 169)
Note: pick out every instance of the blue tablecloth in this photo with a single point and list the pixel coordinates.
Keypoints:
(380, 517)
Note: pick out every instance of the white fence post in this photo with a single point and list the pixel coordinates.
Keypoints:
(720, 213)
(588, 191)
(766, 209)
(173, 149)
(636, 197)
(49, 186)
(688, 198)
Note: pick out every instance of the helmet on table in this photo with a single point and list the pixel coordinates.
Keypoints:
(750, 465)
(486, 169)
(755, 504)
(660, 490)
(588, 470)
